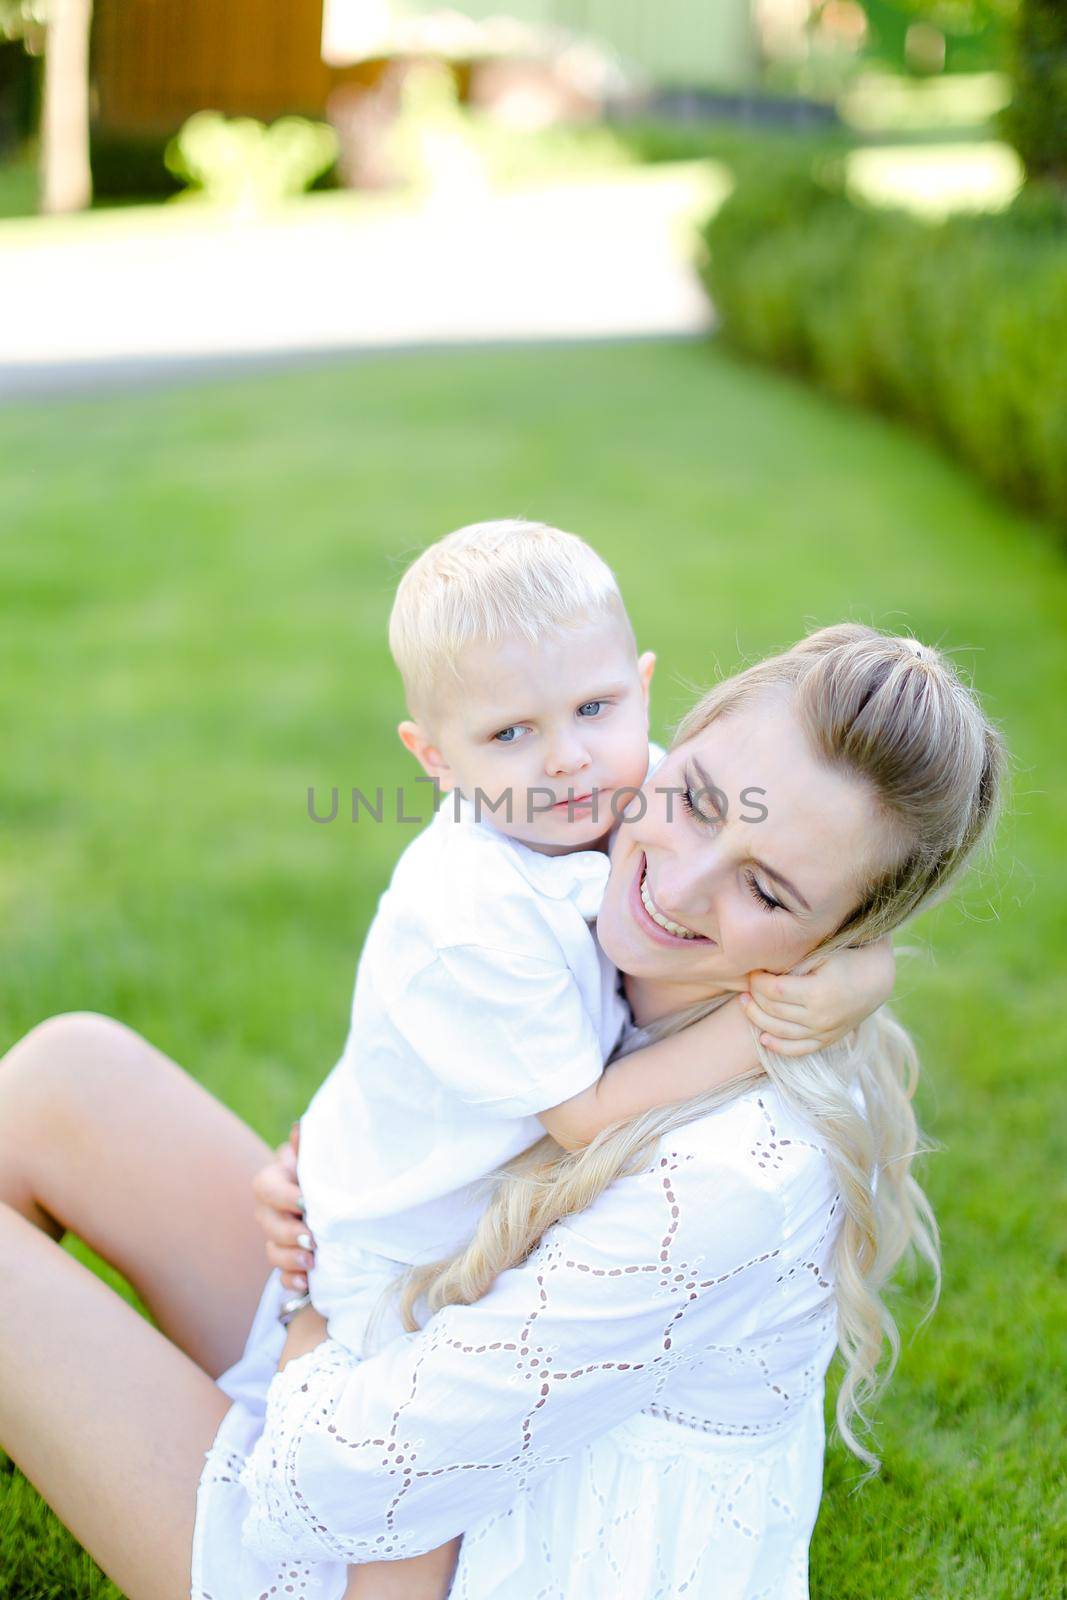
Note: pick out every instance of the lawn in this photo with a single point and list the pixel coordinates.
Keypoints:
(18, 184)
(195, 588)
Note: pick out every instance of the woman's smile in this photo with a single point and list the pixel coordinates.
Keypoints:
(651, 920)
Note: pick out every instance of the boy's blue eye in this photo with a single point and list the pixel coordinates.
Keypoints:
(590, 708)
(508, 735)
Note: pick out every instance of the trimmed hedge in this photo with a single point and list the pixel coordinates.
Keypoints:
(960, 326)
(1036, 120)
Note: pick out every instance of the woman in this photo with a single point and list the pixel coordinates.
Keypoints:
(635, 1406)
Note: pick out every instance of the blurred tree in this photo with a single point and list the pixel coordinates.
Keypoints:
(920, 38)
(1036, 120)
(66, 179)
(17, 17)
(933, 35)
(23, 19)
(19, 78)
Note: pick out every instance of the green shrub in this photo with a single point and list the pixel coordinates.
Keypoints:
(743, 146)
(128, 167)
(960, 326)
(239, 162)
(1036, 120)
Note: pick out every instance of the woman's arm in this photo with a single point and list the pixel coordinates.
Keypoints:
(390, 1457)
(701, 1057)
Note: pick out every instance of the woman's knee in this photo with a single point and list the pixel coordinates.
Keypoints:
(64, 1032)
(70, 1057)
(63, 1091)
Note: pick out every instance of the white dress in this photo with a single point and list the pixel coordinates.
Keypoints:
(635, 1413)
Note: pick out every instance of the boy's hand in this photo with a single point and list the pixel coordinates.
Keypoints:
(799, 1013)
(280, 1213)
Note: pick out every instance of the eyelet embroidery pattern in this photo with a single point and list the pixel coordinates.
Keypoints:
(769, 1148)
(673, 1444)
(822, 1246)
(596, 1566)
(294, 1579)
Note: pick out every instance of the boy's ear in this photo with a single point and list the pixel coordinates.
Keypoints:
(646, 666)
(426, 753)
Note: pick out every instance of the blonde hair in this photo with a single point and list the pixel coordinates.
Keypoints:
(486, 583)
(896, 717)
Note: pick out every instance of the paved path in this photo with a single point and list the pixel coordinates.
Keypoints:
(161, 292)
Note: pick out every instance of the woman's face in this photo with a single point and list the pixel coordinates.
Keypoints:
(748, 849)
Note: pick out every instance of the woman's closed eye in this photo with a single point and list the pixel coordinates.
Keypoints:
(766, 901)
(690, 798)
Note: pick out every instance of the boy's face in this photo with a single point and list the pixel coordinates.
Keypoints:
(541, 736)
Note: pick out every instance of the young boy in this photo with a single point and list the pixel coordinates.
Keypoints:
(484, 1011)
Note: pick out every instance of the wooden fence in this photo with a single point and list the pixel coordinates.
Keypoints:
(157, 61)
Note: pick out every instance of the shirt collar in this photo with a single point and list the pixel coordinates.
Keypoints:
(579, 877)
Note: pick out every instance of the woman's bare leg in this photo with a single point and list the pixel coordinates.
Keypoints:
(103, 1135)
(106, 1417)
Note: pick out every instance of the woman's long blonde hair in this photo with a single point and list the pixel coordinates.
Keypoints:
(896, 717)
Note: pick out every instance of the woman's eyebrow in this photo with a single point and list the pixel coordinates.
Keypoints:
(708, 788)
(782, 882)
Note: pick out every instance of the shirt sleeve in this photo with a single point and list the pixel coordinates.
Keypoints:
(393, 1456)
(507, 1033)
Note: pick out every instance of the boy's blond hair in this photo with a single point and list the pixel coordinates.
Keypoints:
(486, 583)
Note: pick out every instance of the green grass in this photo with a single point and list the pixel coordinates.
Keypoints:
(18, 184)
(195, 587)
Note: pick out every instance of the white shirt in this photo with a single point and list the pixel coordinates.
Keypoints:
(481, 999)
(633, 1413)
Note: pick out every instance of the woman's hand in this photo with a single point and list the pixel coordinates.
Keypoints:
(280, 1213)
